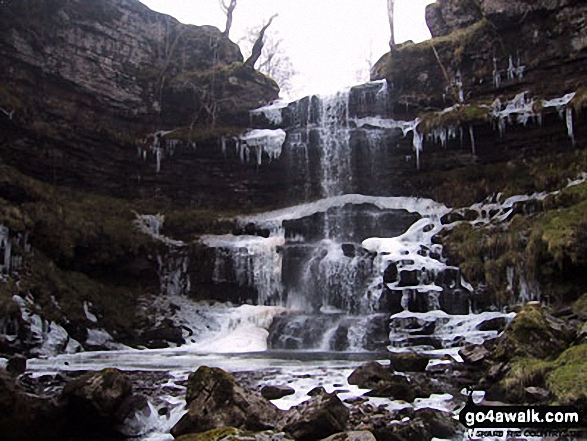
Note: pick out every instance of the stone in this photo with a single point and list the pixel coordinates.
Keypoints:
(275, 392)
(214, 400)
(103, 402)
(352, 436)
(398, 387)
(317, 418)
(97, 395)
(25, 416)
(370, 375)
(423, 424)
(409, 361)
(474, 353)
(16, 365)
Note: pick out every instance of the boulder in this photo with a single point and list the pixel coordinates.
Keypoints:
(95, 397)
(214, 400)
(369, 375)
(16, 365)
(474, 353)
(361, 435)
(232, 434)
(424, 424)
(321, 416)
(409, 361)
(397, 387)
(24, 416)
(275, 392)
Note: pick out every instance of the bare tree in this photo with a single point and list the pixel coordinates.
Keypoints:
(273, 62)
(258, 45)
(228, 10)
(390, 7)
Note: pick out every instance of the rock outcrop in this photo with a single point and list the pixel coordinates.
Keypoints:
(85, 81)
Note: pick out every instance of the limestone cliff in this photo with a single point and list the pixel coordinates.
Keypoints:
(83, 81)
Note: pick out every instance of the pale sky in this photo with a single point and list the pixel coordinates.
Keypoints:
(330, 42)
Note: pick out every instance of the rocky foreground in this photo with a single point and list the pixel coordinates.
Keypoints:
(539, 359)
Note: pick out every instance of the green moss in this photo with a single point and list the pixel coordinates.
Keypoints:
(529, 324)
(568, 380)
(525, 372)
(210, 435)
(458, 116)
(204, 133)
(579, 101)
(580, 307)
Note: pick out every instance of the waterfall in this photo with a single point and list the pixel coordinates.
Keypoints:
(335, 144)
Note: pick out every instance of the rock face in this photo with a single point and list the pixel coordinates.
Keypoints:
(446, 16)
(92, 78)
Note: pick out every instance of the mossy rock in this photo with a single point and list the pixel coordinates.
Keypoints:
(533, 333)
(210, 435)
(580, 307)
(459, 115)
(223, 384)
(568, 380)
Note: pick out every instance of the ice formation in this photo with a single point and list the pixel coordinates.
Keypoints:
(173, 264)
(272, 111)
(261, 141)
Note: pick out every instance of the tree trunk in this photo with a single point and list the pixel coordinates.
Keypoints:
(258, 46)
(229, 10)
(390, 4)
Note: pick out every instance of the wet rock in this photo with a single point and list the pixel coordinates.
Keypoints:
(320, 417)
(232, 434)
(424, 424)
(132, 413)
(398, 387)
(102, 402)
(474, 353)
(318, 390)
(352, 436)
(215, 400)
(24, 416)
(370, 375)
(494, 324)
(272, 392)
(409, 361)
(451, 217)
(16, 365)
(537, 393)
(163, 334)
(348, 249)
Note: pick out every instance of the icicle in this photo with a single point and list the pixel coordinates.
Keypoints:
(459, 84)
(158, 158)
(496, 74)
(223, 141)
(472, 136)
(569, 115)
(5, 245)
(417, 146)
(511, 69)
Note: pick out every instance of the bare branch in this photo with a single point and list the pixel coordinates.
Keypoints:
(258, 46)
(228, 10)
